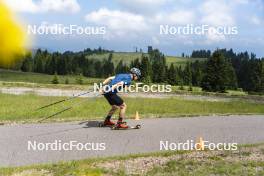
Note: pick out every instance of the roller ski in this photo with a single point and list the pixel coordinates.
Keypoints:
(107, 123)
(124, 126)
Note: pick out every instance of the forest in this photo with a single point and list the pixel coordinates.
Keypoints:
(223, 69)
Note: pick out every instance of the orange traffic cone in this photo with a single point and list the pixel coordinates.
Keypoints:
(200, 144)
(137, 116)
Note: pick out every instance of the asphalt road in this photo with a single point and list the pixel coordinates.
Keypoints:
(15, 139)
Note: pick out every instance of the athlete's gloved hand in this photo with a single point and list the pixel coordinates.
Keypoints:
(101, 91)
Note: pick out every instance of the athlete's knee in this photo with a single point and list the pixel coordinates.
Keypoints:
(123, 106)
(114, 107)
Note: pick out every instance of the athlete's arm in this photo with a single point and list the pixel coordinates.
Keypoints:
(106, 81)
(109, 79)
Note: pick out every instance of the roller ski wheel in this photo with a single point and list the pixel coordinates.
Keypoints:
(116, 127)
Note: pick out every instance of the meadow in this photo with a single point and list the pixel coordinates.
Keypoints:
(15, 108)
(29, 77)
(127, 57)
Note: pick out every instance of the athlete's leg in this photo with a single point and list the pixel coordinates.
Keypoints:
(108, 121)
(122, 111)
(110, 100)
(111, 112)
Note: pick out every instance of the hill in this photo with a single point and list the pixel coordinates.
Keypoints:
(127, 57)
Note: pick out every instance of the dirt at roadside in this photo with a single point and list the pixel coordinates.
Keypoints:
(141, 165)
(68, 93)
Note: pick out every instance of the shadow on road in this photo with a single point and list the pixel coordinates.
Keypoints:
(84, 124)
(91, 124)
(56, 132)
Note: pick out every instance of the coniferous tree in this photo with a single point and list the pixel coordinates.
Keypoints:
(98, 69)
(39, 62)
(135, 63)
(187, 79)
(197, 73)
(254, 84)
(120, 68)
(146, 69)
(27, 64)
(216, 73)
(232, 78)
(180, 75)
(108, 66)
(158, 66)
(61, 65)
(172, 75)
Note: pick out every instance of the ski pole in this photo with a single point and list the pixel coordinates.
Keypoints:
(60, 101)
(66, 109)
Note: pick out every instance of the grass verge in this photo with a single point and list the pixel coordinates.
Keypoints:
(247, 160)
(15, 108)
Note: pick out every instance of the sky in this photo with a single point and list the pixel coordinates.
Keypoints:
(130, 24)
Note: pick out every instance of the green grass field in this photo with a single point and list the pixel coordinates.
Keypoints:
(247, 160)
(117, 56)
(22, 108)
(127, 57)
(199, 91)
(182, 60)
(10, 78)
(29, 77)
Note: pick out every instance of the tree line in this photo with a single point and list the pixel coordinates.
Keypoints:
(224, 69)
(201, 54)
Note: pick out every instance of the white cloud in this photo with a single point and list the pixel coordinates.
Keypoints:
(30, 6)
(117, 21)
(217, 13)
(143, 2)
(155, 40)
(241, 1)
(142, 6)
(256, 20)
(214, 38)
(22, 6)
(177, 17)
(60, 5)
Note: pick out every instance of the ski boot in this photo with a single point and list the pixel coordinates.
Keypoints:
(107, 123)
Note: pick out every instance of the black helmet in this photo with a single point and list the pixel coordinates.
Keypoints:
(136, 71)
